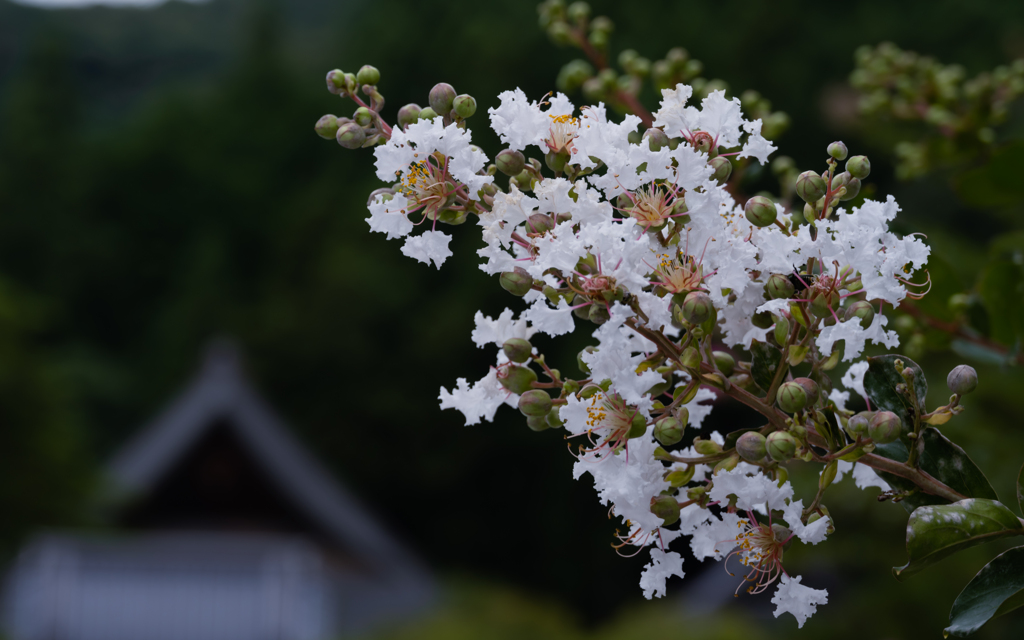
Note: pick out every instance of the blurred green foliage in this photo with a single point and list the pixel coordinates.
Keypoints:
(160, 184)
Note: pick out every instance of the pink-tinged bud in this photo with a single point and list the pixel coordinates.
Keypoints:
(838, 150)
(779, 287)
(666, 508)
(517, 350)
(863, 311)
(539, 223)
(668, 431)
(518, 282)
(368, 75)
(534, 402)
(781, 446)
(697, 307)
(810, 387)
(752, 446)
(363, 117)
(510, 162)
(599, 314)
(351, 136)
(442, 97)
(859, 167)
(721, 169)
(408, 114)
(858, 424)
(885, 427)
(810, 186)
(962, 380)
(760, 211)
(327, 127)
(791, 397)
(657, 137)
(517, 379)
(336, 81)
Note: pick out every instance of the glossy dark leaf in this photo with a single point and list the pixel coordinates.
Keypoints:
(938, 531)
(764, 364)
(997, 589)
(881, 380)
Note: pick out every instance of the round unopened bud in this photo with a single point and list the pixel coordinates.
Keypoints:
(779, 287)
(408, 114)
(518, 282)
(810, 386)
(599, 314)
(441, 98)
(368, 75)
(724, 362)
(510, 162)
(962, 380)
(327, 127)
(556, 161)
(517, 349)
(781, 446)
(752, 446)
(517, 379)
(838, 150)
(760, 211)
(666, 508)
(697, 307)
(464, 105)
(537, 423)
(539, 223)
(553, 419)
(657, 138)
(637, 427)
(668, 430)
(363, 116)
(857, 424)
(859, 167)
(350, 135)
(535, 402)
(885, 427)
(852, 189)
(791, 397)
(863, 311)
(427, 113)
(336, 81)
(810, 186)
(721, 169)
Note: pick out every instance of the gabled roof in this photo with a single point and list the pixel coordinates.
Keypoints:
(221, 395)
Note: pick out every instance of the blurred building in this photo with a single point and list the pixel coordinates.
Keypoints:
(228, 529)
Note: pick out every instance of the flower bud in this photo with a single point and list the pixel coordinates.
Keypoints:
(668, 431)
(657, 138)
(517, 379)
(427, 113)
(537, 423)
(680, 477)
(535, 402)
(721, 169)
(638, 427)
(553, 418)
(779, 287)
(556, 161)
(791, 397)
(727, 464)
(441, 98)
(706, 447)
(859, 167)
(863, 310)
(327, 127)
(510, 162)
(962, 380)
(724, 362)
(885, 427)
(336, 81)
(697, 307)
(852, 189)
(363, 117)
(760, 211)
(857, 424)
(517, 282)
(838, 150)
(517, 350)
(810, 387)
(539, 223)
(781, 330)
(408, 114)
(666, 508)
(781, 446)
(690, 358)
(350, 135)
(599, 314)
(810, 186)
(368, 75)
(751, 446)
(464, 105)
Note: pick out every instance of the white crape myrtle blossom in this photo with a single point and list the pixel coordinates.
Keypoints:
(797, 599)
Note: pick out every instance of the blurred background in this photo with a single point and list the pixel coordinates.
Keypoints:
(186, 275)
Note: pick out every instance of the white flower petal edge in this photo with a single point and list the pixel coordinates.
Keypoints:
(793, 597)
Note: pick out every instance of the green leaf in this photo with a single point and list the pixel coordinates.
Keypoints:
(880, 382)
(997, 589)
(765, 362)
(943, 460)
(1020, 491)
(937, 531)
(996, 183)
(1000, 288)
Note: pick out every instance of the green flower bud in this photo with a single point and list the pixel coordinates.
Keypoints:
(441, 98)
(638, 427)
(838, 150)
(336, 81)
(510, 162)
(350, 136)
(368, 75)
(781, 446)
(690, 358)
(538, 423)
(657, 138)
(724, 362)
(962, 380)
(680, 477)
(840, 180)
(517, 350)
(706, 447)
(810, 387)
(539, 223)
(885, 427)
(668, 431)
(553, 419)
(810, 186)
(599, 314)
(464, 105)
(721, 169)
(751, 446)
(570, 387)
(863, 310)
(791, 397)
(517, 282)
(535, 402)
(327, 127)
(858, 424)
(556, 161)
(408, 114)
(782, 330)
(697, 307)
(852, 189)
(666, 508)
(760, 211)
(517, 379)
(727, 464)
(859, 167)
(363, 116)
(779, 287)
